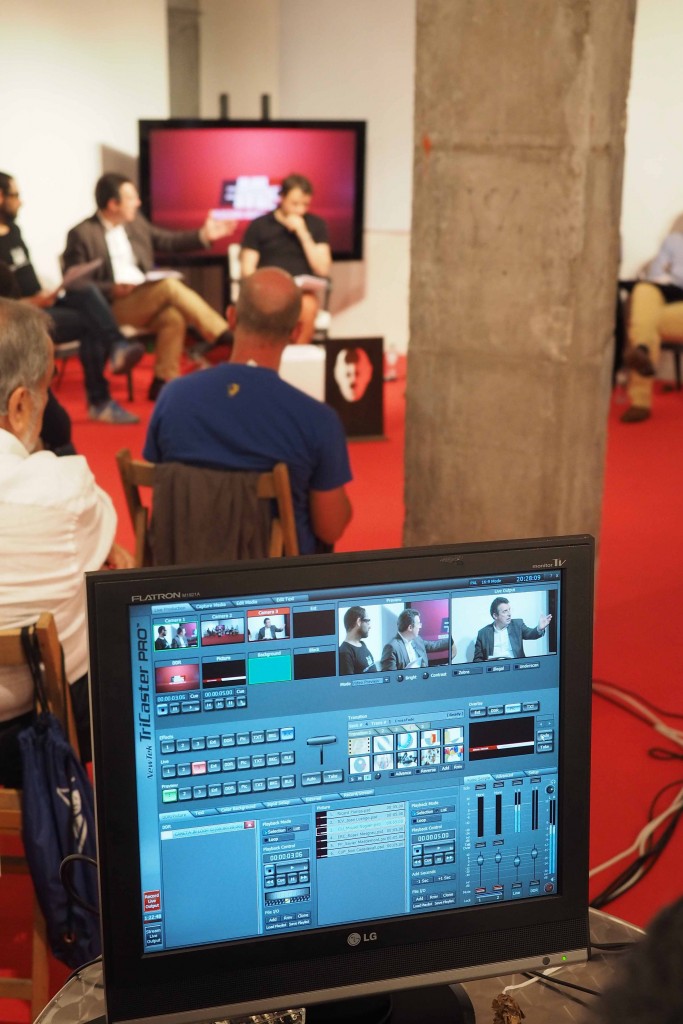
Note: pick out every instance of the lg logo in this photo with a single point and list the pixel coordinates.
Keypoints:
(355, 938)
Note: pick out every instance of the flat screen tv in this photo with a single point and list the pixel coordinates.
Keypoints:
(287, 821)
(233, 169)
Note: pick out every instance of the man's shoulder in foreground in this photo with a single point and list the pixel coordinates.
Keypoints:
(42, 475)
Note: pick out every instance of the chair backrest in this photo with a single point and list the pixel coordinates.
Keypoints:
(135, 474)
(272, 486)
(276, 486)
(12, 654)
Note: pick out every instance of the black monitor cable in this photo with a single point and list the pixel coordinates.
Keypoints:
(65, 878)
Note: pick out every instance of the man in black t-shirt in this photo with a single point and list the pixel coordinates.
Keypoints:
(293, 239)
(354, 655)
(161, 643)
(80, 314)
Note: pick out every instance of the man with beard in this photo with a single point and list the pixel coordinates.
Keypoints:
(354, 655)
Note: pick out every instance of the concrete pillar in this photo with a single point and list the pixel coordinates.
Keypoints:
(519, 129)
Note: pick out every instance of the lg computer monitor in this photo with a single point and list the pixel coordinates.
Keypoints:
(233, 170)
(274, 831)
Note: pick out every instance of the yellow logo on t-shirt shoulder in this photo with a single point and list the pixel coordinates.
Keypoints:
(232, 390)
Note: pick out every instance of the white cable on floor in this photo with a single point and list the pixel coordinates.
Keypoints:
(675, 736)
(532, 981)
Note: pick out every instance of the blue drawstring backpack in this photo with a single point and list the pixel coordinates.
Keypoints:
(58, 822)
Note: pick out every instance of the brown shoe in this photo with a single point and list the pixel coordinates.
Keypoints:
(638, 359)
(636, 414)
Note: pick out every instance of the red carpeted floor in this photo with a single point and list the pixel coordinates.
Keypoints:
(637, 642)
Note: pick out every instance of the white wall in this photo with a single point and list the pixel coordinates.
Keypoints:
(345, 61)
(240, 55)
(75, 76)
(357, 60)
(653, 172)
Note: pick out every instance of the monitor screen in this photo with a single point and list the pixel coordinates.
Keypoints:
(233, 170)
(334, 776)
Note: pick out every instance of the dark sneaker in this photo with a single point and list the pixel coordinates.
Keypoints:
(221, 349)
(197, 353)
(155, 387)
(638, 358)
(125, 355)
(636, 414)
(111, 412)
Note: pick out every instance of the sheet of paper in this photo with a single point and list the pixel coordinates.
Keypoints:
(311, 283)
(79, 273)
(163, 274)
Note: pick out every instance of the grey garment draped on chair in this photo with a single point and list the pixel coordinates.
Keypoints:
(207, 516)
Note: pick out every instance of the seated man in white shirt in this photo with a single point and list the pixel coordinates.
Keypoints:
(56, 525)
(125, 241)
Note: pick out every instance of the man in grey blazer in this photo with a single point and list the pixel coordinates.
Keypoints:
(407, 649)
(125, 242)
(503, 637)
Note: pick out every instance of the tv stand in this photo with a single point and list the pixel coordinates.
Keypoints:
(443, 1004)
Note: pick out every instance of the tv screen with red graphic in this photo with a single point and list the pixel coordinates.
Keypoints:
(233, 170)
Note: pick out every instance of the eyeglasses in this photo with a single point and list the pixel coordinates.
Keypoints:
(12, 195)
(365, 620)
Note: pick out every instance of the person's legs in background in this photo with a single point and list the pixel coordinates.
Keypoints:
(309, 311)
(72, 324)
(89, 301)
(645, 306)
(655, 312)
(167, 308)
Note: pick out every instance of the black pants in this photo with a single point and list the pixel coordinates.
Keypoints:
(10, 756)
(55, 432)
(84, 314)
(10, 761)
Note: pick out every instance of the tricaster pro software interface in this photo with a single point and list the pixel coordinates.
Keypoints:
(281, 794)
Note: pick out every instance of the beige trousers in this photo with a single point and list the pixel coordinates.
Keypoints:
(651, 320)
(309, 311)
(167, 308)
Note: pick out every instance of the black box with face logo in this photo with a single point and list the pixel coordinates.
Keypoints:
(353, 384)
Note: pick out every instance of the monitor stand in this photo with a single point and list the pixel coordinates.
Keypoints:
(434, 1005)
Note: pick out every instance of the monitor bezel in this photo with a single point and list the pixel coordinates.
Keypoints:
(411, 951)
(147, 127)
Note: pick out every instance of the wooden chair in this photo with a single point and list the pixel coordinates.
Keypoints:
(64, 351)
(36, 988)
(272, 486)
